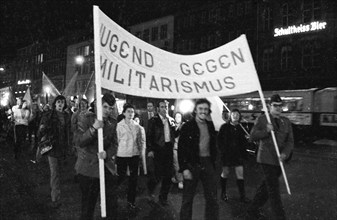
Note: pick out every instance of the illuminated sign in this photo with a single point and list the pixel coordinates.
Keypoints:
(21, 82)
(302, 28)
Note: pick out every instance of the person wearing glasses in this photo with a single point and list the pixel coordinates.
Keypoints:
(268, 160)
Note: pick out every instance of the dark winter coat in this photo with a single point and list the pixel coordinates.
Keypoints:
(284, 137)
(155, 136)
(87, 162)
(58, 132)
(232, 145)
(188, 145)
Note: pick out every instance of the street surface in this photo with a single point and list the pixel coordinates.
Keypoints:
(25, 190)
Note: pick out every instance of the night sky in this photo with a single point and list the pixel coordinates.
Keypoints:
(24, 22)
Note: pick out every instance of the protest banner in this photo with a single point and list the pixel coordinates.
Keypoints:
(128, 65)
(134, 67)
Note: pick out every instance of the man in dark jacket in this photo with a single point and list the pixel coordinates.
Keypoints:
(146, 116)
(267, 158)
(196, 156)
(160, 140)
(87, 164)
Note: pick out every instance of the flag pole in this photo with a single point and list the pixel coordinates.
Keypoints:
(274, 139)
(259, 89)
(86, 88)
(99, 107)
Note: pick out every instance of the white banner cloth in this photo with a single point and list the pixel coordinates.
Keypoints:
(131, 66)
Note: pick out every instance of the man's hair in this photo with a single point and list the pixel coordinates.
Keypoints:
(59, 97)
(126, 106)
(199, 102)
(108, 98)
(162, 101)
(84, 100)
(136, 116)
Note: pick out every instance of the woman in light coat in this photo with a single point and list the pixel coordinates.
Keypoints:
(131, 144)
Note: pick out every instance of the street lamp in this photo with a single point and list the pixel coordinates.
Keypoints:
(186, 106)
(79, 60)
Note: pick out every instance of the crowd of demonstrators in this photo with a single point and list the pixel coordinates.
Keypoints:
(55, 126)
(171, 149)
(232, 142)
(160, 141)
(131, 144)
(197, 154)
(268, 160)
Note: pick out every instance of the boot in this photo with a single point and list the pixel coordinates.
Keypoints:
(241, 186)
(224, 196)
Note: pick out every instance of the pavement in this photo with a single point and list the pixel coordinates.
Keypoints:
(321, 149)
(311, 175)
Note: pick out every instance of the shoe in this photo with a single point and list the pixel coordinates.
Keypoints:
(224, 197)
(245, 200)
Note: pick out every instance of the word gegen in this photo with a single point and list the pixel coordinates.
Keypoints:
(223, 62)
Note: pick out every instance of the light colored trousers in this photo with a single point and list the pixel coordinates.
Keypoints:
(54, 179)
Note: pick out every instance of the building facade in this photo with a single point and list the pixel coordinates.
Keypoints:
(298, 60)
(80, 60)
(47, 57)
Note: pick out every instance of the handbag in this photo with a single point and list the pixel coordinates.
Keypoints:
(43, 147)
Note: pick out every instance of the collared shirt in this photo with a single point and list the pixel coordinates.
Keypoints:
(150, 115)
(166, 128)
